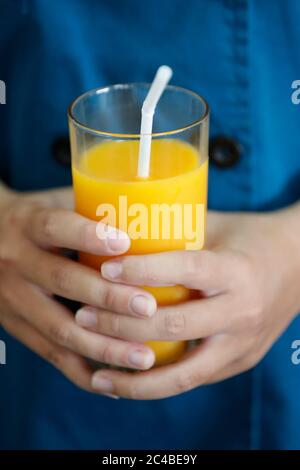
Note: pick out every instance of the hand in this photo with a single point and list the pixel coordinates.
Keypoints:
(248, 278)
(30, 227)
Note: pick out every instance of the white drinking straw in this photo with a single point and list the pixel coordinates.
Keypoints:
(161, 79)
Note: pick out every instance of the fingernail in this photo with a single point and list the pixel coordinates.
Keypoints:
(111, 270)
(102, 384)
(141, 359)
(118, 241)
(143, 305)
(86, 317)
(110, 395)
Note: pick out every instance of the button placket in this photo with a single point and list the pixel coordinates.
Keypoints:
(238, 101)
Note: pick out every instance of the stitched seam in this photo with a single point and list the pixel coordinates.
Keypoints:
(236, 20)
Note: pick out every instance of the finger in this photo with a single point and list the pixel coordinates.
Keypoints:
(77, 282)
(203, 270)
(193, 370)
(57, 324)
(191, 320)
(241, 364)
(248, 357)
(71, 365)
(235, 368)
(66, 229)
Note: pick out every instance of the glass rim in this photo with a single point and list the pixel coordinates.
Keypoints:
(105, 89)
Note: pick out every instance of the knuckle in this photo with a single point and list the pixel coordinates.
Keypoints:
(106, 354)
(133, 391)
(191, 262)
(174, 323)
(186, 381)
(107, 296)
(60, 334)
(115, 325)
(84, 235)
(142, 266)
(61, 279)
(55, 357)
(46, 224)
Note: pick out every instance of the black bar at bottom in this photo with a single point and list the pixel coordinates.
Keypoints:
(134, 459)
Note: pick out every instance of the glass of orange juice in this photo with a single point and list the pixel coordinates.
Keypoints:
(163, 212)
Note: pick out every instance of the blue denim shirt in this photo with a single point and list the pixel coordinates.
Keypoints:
(242, 56)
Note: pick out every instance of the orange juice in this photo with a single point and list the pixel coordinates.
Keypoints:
(106, 174)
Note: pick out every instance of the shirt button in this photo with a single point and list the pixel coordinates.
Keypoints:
(224, 151)
(61, 151)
